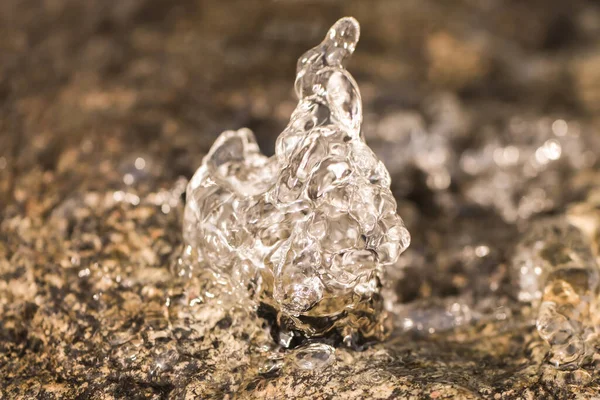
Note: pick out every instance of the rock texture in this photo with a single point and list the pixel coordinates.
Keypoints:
(109, 106)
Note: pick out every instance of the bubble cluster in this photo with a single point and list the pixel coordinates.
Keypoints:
(307, 232)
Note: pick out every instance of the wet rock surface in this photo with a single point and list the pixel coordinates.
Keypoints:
(485, 114)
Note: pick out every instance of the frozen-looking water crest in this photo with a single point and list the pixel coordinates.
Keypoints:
(304, 234)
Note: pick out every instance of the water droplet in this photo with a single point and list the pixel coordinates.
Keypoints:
(314, 356)
(377, 376)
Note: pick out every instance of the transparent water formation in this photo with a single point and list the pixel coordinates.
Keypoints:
(306, 233)
(557, 269)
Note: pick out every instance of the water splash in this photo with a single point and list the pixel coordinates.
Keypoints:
(556, 267)
(305, 233)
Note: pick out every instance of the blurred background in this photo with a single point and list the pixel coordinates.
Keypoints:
(131, 76)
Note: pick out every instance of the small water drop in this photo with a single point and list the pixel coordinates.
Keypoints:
(377, 376)
(314, 356)
(271, 366)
